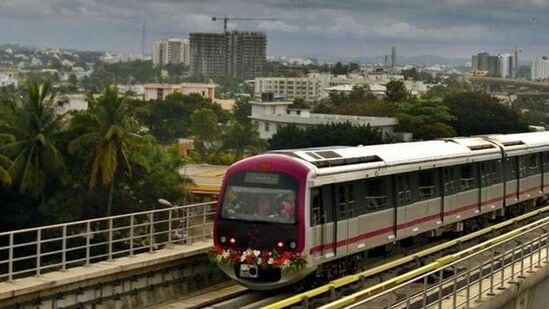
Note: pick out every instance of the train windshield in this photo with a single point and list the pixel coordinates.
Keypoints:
(266, 197)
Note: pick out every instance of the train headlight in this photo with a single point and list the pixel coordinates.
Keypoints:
(280, 244)
(232, 240)
(292, 244)
(223, 239)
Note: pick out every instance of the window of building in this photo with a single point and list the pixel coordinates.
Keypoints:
(298, 112)
(266, 127)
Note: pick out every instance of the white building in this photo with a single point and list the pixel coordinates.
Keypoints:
(138, 90)
(123, 57)
(8, 78)
(71, 102)
(171, 50)
(309, 88)
(161, 91)
(540, 68)
(506, 66)
(270, 116)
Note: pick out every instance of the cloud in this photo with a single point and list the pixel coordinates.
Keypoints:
(277, 26)
(394, 29)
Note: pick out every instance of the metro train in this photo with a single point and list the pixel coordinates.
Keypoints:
(285, 215)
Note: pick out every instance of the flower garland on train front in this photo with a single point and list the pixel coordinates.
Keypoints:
(288, 261)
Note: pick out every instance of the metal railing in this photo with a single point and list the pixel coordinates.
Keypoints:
(466, 280)
(58, 247)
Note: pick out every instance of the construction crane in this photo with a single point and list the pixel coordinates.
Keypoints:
(226, 19)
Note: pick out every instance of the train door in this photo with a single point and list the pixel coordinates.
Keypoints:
(317, 223)
(511, 180)
(491, 187)
(404, 203)
(545, 164)
(450, 184)
(344, 196)
(352, 216)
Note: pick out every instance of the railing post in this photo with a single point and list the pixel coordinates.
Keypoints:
(203, 222)
(539, 251)
(454, 296)
(131, 233)
(151, 231)
(88, 242)
(468, 291)
(522, 261)
(10, 259)
(110, 238)
(424, 292)
(440, 282)
(170, 227)
(64, 249)
(492, 257)
(480, 277)
(38, 250)
(187, 239)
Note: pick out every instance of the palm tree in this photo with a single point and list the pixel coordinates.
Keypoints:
(106, 132)
(33, 134)
(242, 138)
(5, 176)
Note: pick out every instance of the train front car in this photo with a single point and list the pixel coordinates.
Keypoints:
(259, 230)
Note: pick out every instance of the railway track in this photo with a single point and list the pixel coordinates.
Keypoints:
(376, 276)
(378, 272)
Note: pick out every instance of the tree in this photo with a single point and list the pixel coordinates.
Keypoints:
(426, 119)
(204, 127)
(324, 135)
(5, 163)
(396, 91)
(106, 130)
(240, 139)
(242, 110)
(34, 134)
(476, 113)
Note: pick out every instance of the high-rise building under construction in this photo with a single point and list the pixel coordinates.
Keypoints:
(237, 54)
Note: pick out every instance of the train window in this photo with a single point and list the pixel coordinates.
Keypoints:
(545, 161)
(467, 177)
(528, 165)
(316, 207)
(341, 202)
(404, 189)
(449, 174)
(489, 173)
(327, 203)
(511, 168)
(376, 194)
(426, 184)
(533, 164)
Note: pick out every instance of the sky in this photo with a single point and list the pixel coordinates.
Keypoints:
(324, 29)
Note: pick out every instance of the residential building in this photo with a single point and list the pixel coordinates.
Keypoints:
(308, 88)
(122, 57)
(171, 50)
(271, 115)
(8, 78)
(540, 68)
(161, 91)
(237, 54)
(501, 65)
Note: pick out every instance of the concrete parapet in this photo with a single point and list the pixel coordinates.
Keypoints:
(130, 282)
